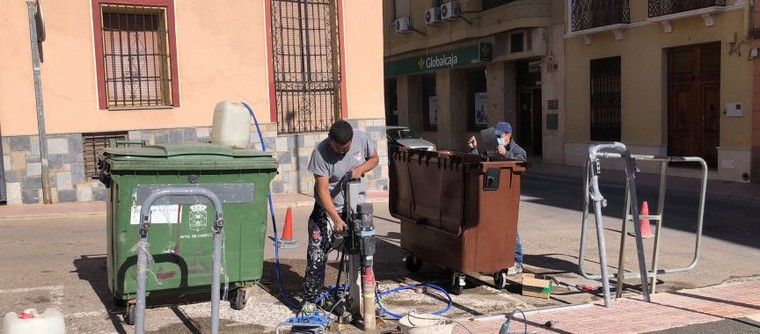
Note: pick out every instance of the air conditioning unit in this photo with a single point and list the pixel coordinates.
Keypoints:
(403, 25)
(450, 10)
(433, 16)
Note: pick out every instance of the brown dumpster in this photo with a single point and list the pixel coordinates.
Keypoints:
(456, 211)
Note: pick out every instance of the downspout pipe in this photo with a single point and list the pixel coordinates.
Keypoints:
(3, 193)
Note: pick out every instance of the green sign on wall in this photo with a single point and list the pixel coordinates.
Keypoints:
(442, 60)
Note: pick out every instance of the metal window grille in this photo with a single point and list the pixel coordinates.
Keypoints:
(587, 14)
(93, 144)
(666, 7)
(488, 4)
(306, 58)
(136, 56)
(605, 99)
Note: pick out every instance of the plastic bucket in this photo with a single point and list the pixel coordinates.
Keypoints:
(416, 323)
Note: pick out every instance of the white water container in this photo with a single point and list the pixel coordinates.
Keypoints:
(30, 322)
(231, 126)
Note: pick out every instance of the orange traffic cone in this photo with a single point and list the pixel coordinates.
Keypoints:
(287, 241)
(646, 230)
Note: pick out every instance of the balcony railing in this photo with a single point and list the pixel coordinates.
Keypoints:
(667, 7)
(488, 4)
(588, 14)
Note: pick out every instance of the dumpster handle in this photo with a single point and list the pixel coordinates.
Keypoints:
(142, 250)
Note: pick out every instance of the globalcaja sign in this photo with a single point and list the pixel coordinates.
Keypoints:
(442, 60)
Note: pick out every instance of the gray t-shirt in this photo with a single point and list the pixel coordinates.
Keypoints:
(325, 162)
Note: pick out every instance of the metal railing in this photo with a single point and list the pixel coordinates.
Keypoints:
(667, 7)
(587, 14)
(488, 4)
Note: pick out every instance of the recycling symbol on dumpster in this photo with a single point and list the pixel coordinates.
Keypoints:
(198, 217)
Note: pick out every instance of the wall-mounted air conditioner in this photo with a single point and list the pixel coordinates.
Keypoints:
(403, 25)
(433, 16)
(450, 10)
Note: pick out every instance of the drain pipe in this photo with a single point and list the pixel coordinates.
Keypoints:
(3, 194)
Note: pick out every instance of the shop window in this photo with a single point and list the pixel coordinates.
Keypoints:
(477, 99)
(429, 103)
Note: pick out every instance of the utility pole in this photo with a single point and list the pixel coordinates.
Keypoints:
(36, 41)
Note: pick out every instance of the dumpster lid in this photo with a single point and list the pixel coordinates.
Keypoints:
(178, 150)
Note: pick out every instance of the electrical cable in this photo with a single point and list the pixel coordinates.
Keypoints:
(274, 220)
(378, 296)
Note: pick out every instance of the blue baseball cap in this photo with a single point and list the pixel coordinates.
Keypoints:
(502, 127)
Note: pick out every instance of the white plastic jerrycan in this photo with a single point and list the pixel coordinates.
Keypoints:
(31, 322)
(231, 125)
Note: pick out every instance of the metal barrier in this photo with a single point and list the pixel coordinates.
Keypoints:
(142, 250)
(635, 216)
(591, 191)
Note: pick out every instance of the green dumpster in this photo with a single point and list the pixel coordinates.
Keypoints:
(181, 231)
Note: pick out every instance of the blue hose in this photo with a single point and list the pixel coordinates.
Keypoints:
(378, 296)
(274, 220)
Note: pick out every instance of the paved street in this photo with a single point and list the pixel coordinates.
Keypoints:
(55, 257)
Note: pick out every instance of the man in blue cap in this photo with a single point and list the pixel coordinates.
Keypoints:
(506, 146)
(509, 149)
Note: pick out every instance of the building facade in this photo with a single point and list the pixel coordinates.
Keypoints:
(667, 78)
(453, 68)
(153, 71)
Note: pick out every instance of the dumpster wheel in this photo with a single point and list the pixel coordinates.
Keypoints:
(412, 263)
(500, 279)
(129, 313)
(458, 283)
(241, 297)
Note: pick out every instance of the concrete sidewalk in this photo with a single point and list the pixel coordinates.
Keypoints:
(633, 315)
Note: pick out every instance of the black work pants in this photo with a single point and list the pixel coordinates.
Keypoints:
(320, 242)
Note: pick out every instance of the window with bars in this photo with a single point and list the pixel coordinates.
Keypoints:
(605, 99)
(306, 64)
(135, 53)
(93, 144)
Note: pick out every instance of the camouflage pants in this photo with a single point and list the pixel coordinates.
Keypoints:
(320, 241)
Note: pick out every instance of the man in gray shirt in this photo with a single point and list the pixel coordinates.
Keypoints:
(344, 151)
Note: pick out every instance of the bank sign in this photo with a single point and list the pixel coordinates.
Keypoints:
(442, 60)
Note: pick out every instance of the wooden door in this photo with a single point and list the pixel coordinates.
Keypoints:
(694, 101)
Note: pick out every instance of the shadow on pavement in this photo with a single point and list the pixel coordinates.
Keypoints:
(92, 268)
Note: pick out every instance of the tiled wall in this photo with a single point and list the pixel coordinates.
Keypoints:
(21, 159)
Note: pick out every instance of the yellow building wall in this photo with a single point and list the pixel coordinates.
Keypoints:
(222, 55)
(363, 53)
(643, 51)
